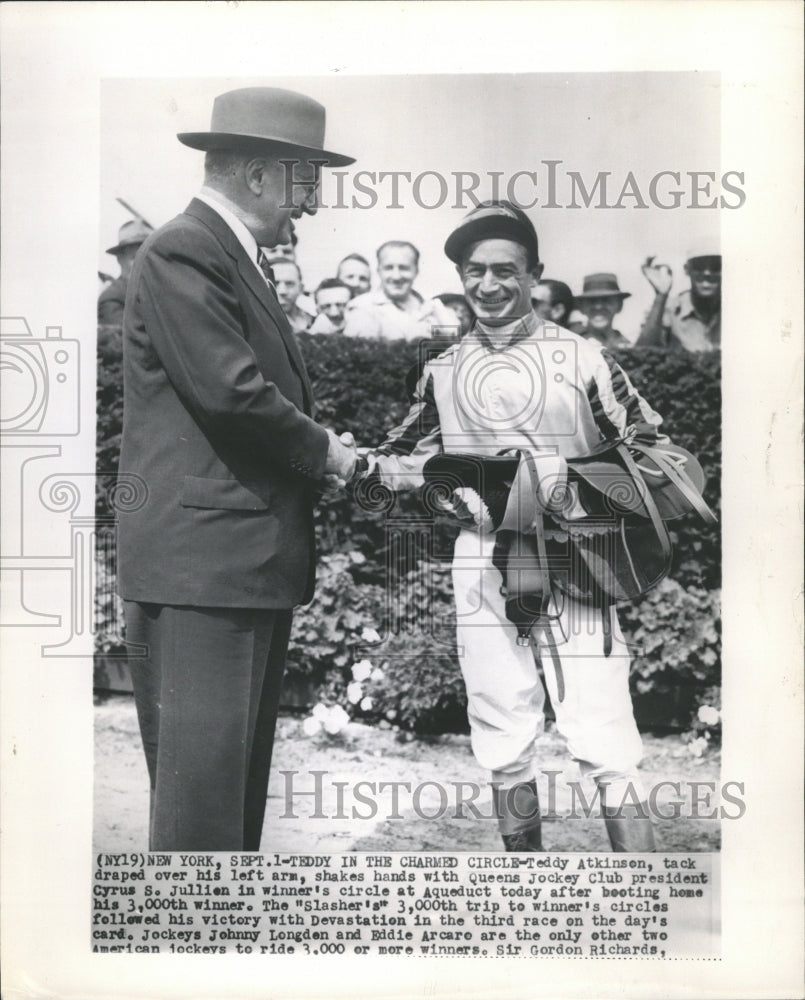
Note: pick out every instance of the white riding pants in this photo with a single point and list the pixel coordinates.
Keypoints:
(504, 693)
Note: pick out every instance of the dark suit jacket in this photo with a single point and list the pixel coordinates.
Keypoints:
(217, 423)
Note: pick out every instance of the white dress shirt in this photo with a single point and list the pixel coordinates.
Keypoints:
(218, 203)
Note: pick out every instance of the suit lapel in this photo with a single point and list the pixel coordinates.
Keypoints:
(260, 289)
(257, 286)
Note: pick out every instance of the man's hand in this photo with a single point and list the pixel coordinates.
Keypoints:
(659, 276)
(341, 459)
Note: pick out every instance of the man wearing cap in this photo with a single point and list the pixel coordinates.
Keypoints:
(693, 321)
(218, 433)
(601, 300)
(514, 382)
(113, 298)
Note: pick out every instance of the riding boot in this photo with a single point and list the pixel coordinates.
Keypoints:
(630, 829)
(517, 809)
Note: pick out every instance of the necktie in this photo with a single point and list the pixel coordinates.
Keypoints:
(268, 274)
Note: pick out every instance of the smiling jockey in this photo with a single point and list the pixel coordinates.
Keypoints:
(515, 382)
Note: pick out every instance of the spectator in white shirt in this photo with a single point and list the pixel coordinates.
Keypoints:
(396, 311)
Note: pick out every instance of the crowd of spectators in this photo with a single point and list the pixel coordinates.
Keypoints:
(347, 303)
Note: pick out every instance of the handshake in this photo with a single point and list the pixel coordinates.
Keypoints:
(342, 462)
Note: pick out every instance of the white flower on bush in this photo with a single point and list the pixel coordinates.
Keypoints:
(366, 705)
(354, 693)
(321, 712)
(336, 719)
(697, 746)
(709, 716)
(391, 714)
(311, 725)
(362, 670)
(357, 557)
(377, 675)
(370, 635)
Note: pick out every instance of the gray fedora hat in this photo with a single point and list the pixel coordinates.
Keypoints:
(601, 285)
(132, 234)
(261, 118)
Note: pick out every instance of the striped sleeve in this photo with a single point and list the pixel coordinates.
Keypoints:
(617, 407)
(399, 460)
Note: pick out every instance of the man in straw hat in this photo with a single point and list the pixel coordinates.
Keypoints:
(218, 428)
(514, 382)
(692, 322)
(601, 300)
(112, 299)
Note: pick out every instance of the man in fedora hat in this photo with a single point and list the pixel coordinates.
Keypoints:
(516, 382)
(113, 298)
(219, 431)
(692, 322)
(601, 300)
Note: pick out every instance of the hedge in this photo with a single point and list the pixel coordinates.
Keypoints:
(109, 414)
(384, 564)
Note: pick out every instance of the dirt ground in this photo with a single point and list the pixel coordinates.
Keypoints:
(347, 816)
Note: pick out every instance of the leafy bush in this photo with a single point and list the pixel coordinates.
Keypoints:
(706, 728)
(326, 631)
(109, 407)
(422, 688)
(108, 608)
(407, 669)
(676, 660)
